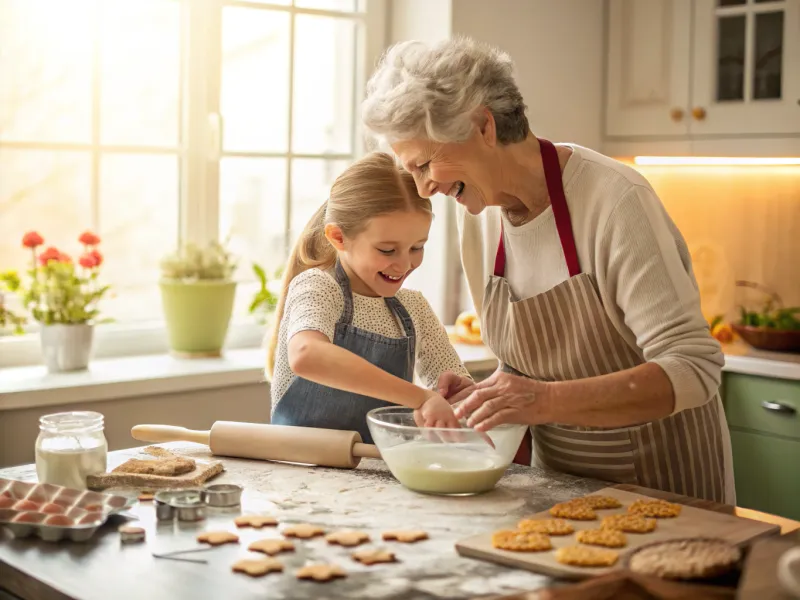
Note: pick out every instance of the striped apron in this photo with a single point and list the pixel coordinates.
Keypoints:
(565, 334)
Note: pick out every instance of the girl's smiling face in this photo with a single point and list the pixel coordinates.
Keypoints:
(380, 258)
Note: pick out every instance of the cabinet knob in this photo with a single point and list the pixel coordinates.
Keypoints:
(778, 407)
(676, 114)
(699, 113)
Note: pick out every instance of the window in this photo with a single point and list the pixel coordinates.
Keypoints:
(155, 121)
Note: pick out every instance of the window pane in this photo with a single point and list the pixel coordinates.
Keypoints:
(730, 57)
(255, 79)
(325, 52)
(311, 185)
(769, 56)
(140, 77)
(731, 2)
(252, 214)
(46, 70)
(49, 192)
(342, 5)
(139, 224)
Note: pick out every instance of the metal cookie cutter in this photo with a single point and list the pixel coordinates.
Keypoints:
(186, 505)
(222, 495)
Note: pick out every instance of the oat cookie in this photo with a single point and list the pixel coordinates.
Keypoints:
(405, 536)
(577, 511)
(304, 531)
(599, 502)
(321, 573)
(629, 523)
(257, 567)
(611, 538)
(371, 557)
(686, 559)
(347, 538)
(215, 538)
(548, 526)
(586, 556)
(255, 521)
(521, 541)
(271, 546)
(660, 509)
(146, 496)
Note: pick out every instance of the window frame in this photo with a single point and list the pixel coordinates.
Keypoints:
(200, 152)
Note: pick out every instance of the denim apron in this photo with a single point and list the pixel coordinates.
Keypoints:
(309, 404)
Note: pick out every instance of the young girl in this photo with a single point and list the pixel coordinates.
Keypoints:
(348, 337)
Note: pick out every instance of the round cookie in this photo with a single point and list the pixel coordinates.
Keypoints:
(659, 509)
(610, 538)
(586, 556)
(628, 523)
(521, 541)
(694, 558)
(548, 526)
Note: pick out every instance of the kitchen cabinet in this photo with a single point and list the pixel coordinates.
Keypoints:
(764, 418)
(690, 69)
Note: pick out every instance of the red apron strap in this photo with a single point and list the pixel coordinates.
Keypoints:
(500, 258)
(555, 188)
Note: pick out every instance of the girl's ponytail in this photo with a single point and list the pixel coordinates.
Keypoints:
(311, 250)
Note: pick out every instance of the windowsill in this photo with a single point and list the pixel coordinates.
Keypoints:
(116, 378)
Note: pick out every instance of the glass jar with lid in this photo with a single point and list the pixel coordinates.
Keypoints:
(70, 446)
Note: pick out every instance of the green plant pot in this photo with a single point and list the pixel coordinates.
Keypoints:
(197, 315)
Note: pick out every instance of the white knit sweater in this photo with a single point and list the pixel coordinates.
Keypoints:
(624, 237)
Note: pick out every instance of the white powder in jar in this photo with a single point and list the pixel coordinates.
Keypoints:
(67, 461)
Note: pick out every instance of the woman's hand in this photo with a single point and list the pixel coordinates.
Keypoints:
(450, 385)
(436, 412)
(504, 398)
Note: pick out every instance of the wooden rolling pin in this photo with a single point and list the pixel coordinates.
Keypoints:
(306, 445)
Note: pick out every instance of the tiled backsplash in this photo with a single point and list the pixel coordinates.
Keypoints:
(739, 223)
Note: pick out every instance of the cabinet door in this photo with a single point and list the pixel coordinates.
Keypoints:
(746, 67)
(648, 66)
(766, 473)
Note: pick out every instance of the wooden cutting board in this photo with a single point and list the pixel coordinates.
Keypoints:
(692, 522)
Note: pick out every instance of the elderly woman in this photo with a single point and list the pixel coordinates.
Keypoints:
(583, 282)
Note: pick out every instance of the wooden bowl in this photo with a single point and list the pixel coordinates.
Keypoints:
(769, 339)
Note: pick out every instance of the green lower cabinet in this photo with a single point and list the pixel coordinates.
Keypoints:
(767, 471)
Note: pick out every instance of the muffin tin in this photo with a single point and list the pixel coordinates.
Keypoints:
(53, 512)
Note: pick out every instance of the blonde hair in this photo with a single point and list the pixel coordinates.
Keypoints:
(372, 186)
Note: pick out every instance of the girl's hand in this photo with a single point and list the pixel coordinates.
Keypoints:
(436, 412)
(504, 398)
(451, 384)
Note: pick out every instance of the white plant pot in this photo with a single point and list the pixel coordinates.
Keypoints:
(66, 347)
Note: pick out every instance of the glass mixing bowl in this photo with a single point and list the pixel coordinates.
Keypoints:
(442, 461)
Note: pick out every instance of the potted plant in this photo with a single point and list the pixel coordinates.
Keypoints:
(62, 297)
(265, 300)
(197, 293)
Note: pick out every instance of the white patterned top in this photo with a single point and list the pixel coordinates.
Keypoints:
(315, 302)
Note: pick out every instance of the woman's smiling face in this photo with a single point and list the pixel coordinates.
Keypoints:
(463, 170)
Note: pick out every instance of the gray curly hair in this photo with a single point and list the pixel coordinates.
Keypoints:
(436, 92)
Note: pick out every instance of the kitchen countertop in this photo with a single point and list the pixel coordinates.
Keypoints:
(742, 358)
(367, 498)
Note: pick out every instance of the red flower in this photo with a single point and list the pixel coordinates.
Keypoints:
(51, 253)
(87, 261)
(98, 258)
(88, 238)
(32, 239)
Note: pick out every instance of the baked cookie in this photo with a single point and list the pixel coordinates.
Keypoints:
(371, 557)
(660, 509)
(575, 510)
(271, 546)
(599, 502)
(548, 526)
(629, 523)
(406, 536)
(257, 567)
(585, 556)
(610, 538)
(216, 538)
(255, 521)
(686, 559)
(321, 573)
(521, 541)
(347, 538)
(303, 531)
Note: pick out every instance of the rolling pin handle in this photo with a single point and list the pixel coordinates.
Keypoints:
(169, 433)
(366, 450)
